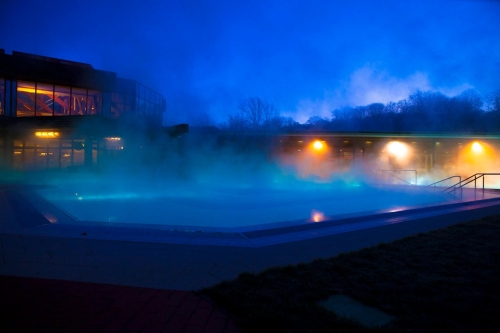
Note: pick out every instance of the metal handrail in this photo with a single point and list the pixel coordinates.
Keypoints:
(471, 179)
(388, 172)
(462, 183)
(442, 180)
(449, 193)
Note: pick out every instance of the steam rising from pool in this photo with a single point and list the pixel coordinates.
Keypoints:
(227, 191)
(205, 183)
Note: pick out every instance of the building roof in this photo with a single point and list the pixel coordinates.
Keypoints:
(30, 67)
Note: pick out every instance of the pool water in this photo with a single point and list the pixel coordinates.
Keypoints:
(231, 207)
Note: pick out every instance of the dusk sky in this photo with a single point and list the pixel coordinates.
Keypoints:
(305, 57)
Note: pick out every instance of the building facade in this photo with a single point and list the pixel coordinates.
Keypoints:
(45, 103)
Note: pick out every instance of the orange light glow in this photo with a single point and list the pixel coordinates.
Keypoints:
(317, 216)
(477, 148)
(318, 145)
(47, 135)
(318, 148)
(397, 149)
(32, 90)
(477, 156)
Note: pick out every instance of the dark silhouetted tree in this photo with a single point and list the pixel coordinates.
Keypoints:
(257, 112)
(492, 101)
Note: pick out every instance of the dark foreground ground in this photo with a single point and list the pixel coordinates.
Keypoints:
(46, 305)
(442, 281)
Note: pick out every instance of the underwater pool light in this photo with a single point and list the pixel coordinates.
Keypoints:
(317, 216)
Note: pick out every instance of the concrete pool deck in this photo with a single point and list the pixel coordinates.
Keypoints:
(177, 261)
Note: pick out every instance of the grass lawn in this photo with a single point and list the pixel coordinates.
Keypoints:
(442, 281)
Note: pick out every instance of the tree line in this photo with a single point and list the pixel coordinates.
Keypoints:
(427, 111)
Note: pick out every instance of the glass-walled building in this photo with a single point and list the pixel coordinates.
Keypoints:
(36, 86)
(131, 97)
(43, 102)
(41, 99)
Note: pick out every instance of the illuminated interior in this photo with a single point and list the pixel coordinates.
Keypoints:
(36, 88)
(47, 135)
(37, 99)
(44, 152)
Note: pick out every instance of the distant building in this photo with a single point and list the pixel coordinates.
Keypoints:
(44, 102)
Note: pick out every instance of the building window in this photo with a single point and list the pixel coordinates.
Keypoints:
(78, 102)
(44, 99)
(121, 104)
(25, 99)
(94, 102)
(62, 99)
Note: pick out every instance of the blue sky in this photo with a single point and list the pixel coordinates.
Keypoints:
(305, 57)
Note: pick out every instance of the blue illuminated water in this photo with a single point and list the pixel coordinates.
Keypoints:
(227, 206)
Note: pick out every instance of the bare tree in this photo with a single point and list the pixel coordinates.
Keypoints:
(257, 112)
(492, 101)
(237, 122)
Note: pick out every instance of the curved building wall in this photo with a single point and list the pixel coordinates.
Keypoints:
(57, 113)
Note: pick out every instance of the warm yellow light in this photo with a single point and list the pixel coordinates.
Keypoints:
(318, 145)
(317, 216)
(28, 90)
(397, 149)
(114, 139)
(477, 148)
(47, 135)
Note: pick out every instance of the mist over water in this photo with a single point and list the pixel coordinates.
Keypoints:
(212, 181)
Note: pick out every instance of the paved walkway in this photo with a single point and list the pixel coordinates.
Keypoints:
(42, 305)
(70, 267)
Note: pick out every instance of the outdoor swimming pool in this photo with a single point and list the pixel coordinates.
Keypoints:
(208, 207)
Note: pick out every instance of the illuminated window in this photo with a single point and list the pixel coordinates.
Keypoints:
(44, 99)
(78, 102)
(62, 101)
(94, 102)
(47, 134)
(25, 99)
